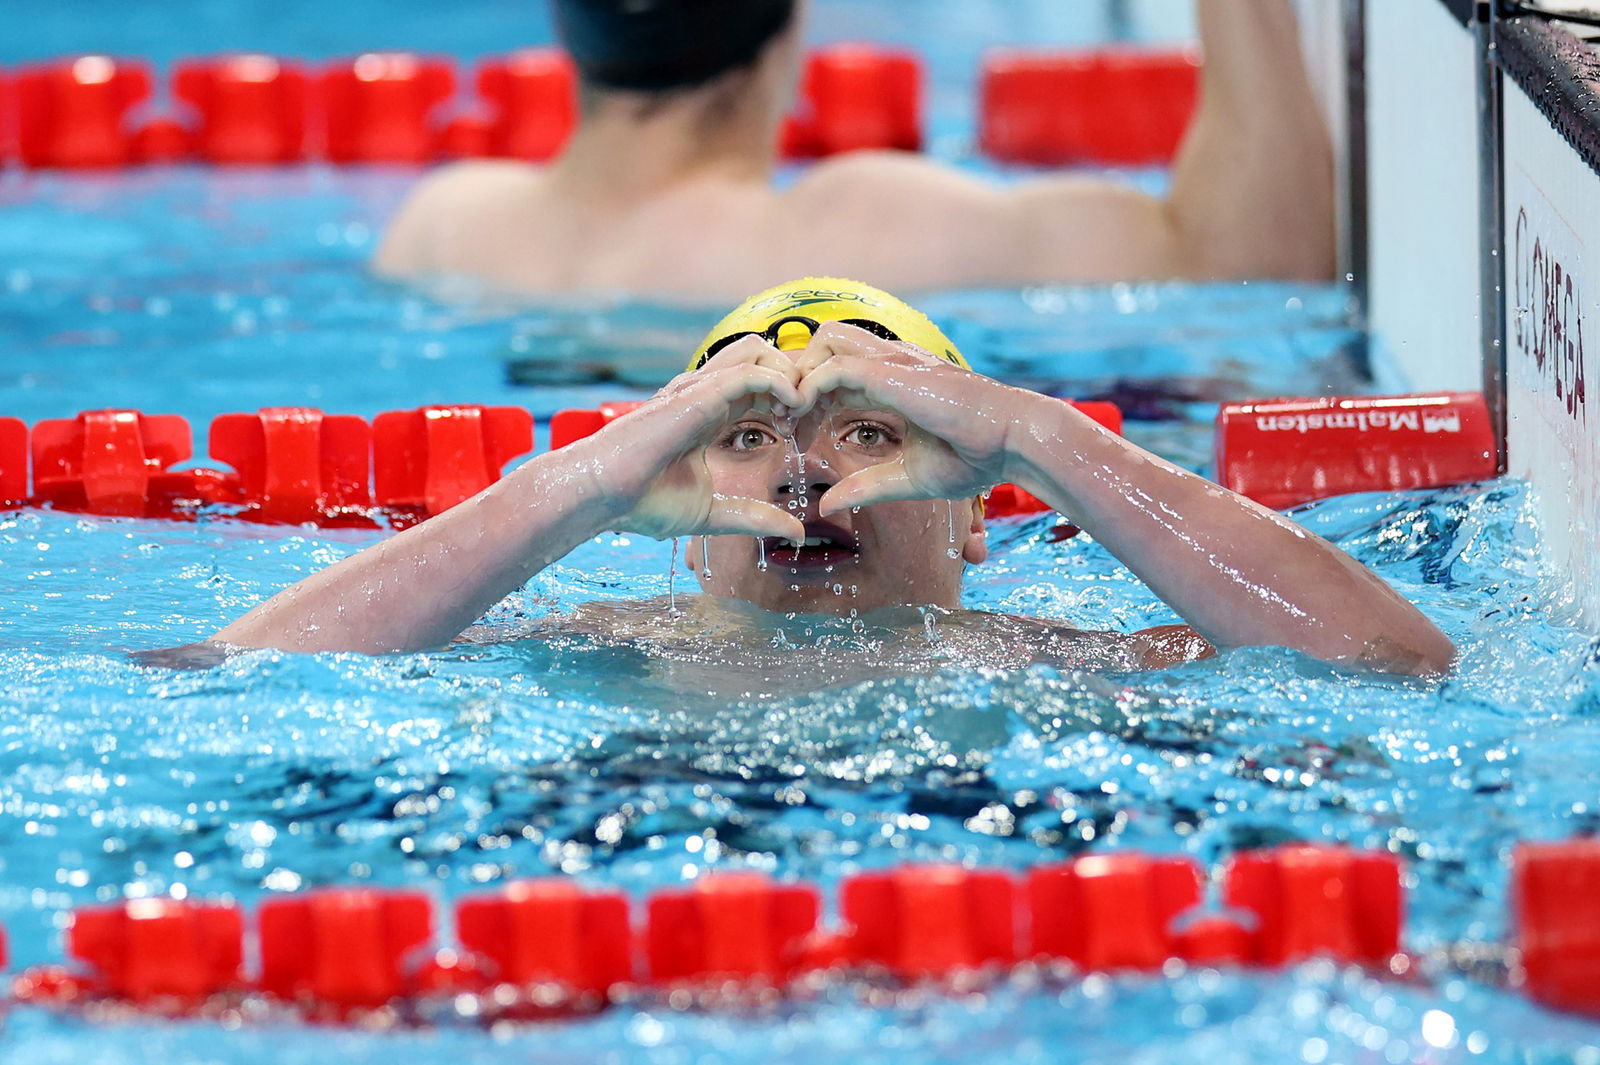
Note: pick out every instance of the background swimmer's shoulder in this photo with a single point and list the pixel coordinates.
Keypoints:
(450, 199)
(883, 176)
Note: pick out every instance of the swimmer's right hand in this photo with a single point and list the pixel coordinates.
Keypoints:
(650, 466)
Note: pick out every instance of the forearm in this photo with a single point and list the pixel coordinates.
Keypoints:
(421, 587)
(1238, 572)
(1252, 186)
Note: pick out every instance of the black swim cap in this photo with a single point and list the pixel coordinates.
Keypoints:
(650, 45)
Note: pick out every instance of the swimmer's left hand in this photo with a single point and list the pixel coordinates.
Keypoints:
(961, 421)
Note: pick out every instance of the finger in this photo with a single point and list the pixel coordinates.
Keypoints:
(883, 483)
(838, 338)
(746, 349)
(849, 380)
(736, 514)
(754, 379)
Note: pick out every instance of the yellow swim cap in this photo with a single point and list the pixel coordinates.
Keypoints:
(789, 314)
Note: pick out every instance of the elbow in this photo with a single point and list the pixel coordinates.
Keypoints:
(1427, 653)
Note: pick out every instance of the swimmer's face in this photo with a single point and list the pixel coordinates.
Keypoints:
(887, 554)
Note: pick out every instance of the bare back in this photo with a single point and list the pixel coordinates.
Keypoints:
(901, 220)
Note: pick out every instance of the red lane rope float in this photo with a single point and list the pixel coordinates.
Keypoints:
(546, 947)
(1113, 106)
(8, 133)
(856, 96)
(1113, 911)
(1286, 452)
(427, 460)
(548, 933)
(13, 461)
(252, 109)
(296, 464)
(335, 950)
(385, 107)
(290, 464)
(107, 462)
(378, 108)
(1555, 899)
(533, 95)
(74, 113)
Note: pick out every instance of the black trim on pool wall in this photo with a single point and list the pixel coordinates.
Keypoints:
(1560, 74)
(1467, 12)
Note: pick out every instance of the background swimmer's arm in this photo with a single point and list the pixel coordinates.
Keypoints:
(1241, 574)
(1251, 193)
(645, 472)
(1252, 184)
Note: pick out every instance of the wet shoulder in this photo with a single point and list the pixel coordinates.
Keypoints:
(902, 180)
(451, 199)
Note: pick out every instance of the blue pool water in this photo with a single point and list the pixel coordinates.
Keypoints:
(196, 293)
(461, 768)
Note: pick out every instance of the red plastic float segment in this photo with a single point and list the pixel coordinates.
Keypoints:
(252, 108)
(1030, 108)
(1121, 106)
(162, 140)
(296, 464)
(550, 932)
(103, 461)
(1555, 897)
(148, 949)
(1285, 452)
(8, 132)
(378, 107)
(921, 921)
(73, 113)
(1147, 99)
(569, 425)
(534, 95)
(13, 460)
(1317, 900)
(856, 96)
(1215, 939)
(432, 458)
(344, 948)
(1110, 911)
(739, 926)
(466, 137)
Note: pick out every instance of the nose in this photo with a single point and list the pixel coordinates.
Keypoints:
(814, 488)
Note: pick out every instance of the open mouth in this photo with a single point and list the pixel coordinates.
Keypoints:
(825, 545)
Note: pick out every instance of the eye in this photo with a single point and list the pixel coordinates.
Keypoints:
(869, 435)
(747, 438)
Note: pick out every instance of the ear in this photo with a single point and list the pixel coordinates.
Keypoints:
(976, 548)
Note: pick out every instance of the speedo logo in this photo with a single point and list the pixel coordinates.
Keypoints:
(807, 297)
(1443, 421)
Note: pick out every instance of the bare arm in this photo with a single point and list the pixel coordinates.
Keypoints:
(1251, 192)
(1252, 183)
(1239, 573)
(644, 473)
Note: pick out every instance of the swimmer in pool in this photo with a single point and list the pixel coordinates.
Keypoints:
(664, 190)
(825, 435)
